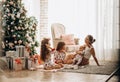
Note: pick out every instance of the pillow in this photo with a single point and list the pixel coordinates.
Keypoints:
(68, 39)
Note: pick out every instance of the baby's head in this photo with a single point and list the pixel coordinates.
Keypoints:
(89, 39)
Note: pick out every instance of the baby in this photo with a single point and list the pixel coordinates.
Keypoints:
(79, 55)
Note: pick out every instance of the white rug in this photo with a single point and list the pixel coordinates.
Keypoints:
(106, 68)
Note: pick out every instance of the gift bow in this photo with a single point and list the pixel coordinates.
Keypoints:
(18, 61)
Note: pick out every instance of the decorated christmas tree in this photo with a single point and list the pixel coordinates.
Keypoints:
(18, 28)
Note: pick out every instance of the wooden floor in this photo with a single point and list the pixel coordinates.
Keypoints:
(50, 76)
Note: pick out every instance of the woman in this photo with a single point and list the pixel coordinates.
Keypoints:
(89, 51)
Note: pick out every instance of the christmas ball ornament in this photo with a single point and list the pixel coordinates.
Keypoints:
(15, 27)
(14, 36)
(11, 3)
(12, 22)
(14, 9)
(8, 28)
(19, 28)
(7, 10)
(20, 21)
(9, 14)
(18, 15)
(3, 5)
(7, 5)
(27, 35)
(15, 42)
(20, 41)
(18, 35)
(6, 41)
(12, 30)
(4, 16)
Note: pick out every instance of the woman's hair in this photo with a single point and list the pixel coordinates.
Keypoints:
(91, 39)
(60, 46)
(44, 50)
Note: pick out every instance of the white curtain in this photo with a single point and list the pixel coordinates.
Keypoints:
(107, 29)
(96, 17)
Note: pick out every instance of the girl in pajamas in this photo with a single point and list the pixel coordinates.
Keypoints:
(46, 52)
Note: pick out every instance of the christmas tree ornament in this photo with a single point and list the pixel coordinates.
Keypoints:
(19, 28)
(15, 42)
(11, 3)
(3, 5)
(12, 23)
(7, 5)
(12, 30)
(13, 16)
(9, 14)
(18, 15)
(14, 36)
(6, 41)
(26, 35)
(20, 21)
(4, 16)
(7, 10)
(8, 28)
(14, 9)
(18, 35)
(20, 41)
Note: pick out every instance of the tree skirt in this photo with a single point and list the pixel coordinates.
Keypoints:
(106, 68)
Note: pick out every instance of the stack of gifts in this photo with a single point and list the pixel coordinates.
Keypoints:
(10, 53)
(17, 63)
(21, 59)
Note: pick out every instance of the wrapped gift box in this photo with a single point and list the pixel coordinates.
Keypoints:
(32, 63)
(10, 62)
(24, 61)
(17, 66)
(10, 53)
(20, 51)
(13, 61)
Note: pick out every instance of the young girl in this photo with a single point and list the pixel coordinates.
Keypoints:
(60, 54)
(89, 50)
(46, 51)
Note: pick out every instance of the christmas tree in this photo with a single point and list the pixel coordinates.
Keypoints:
(18, 28)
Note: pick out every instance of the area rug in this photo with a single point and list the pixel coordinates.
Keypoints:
(106, 68)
